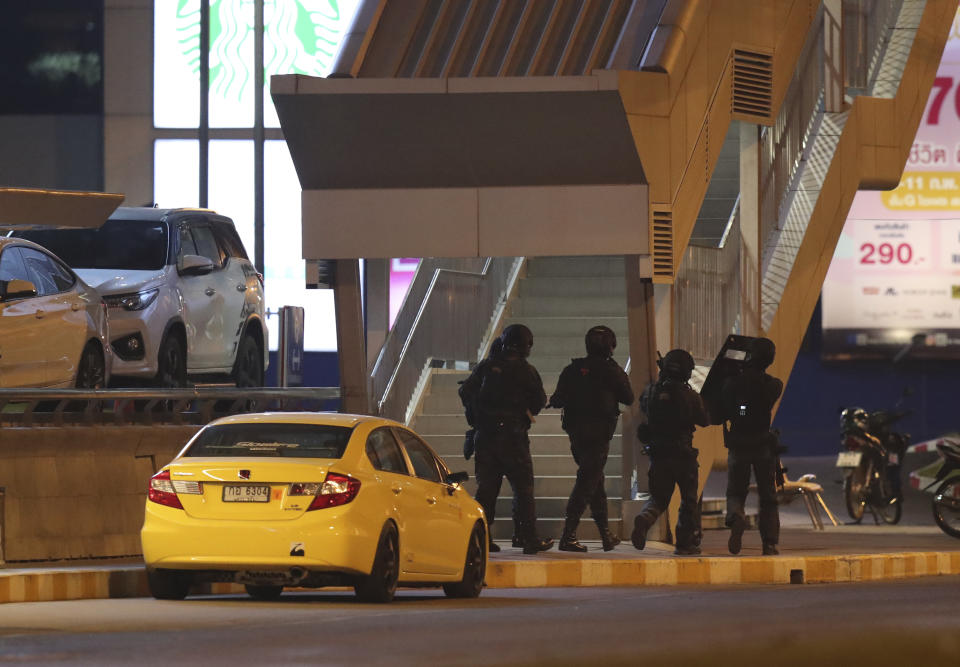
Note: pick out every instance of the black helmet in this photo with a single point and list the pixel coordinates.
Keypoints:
(677, 364)
(517, 338)
(761, 353)
(601, 341)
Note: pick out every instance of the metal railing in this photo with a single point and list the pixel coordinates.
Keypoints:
(783, 144)
(56, 407)
(866, 36)
(707, 294)
(447, 314)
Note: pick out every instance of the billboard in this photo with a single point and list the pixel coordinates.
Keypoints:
(895, 275)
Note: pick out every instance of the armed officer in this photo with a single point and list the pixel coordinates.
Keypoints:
(507, 392)
(673, 410)
(589, 391)
(748, 400)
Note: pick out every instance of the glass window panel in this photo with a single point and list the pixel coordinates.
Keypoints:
(176, 165)
(424, 463)
(176, 63)
(231, 62)
(231, 186)
(302, 37)
(285, 273)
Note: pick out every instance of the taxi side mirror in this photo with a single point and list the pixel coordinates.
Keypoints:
(457, 477)
(19, 289)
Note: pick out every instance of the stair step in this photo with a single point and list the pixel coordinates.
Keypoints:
(549, 507)
(576, 266)
(571, 326)
(555, 363)
(573, 287)
(554, 306)
(551, 486)
(553, 527)
(716, 521)
(543, 464)
(556, 444)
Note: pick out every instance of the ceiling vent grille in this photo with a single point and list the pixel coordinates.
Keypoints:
(661, 244)
(752, 83)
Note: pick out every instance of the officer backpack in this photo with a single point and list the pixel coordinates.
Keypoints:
(500, 392)
(589, 397)
(666, 410)
(748, 408)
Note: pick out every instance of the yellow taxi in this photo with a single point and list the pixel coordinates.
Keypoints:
(311, 500)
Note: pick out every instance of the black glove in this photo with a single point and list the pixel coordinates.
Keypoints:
(469, 443)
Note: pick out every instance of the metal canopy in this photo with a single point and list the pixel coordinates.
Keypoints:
(464, 167)
(29, 207)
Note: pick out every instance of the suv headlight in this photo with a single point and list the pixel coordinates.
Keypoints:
(136, 301)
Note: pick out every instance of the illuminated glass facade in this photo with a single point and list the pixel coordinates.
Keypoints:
(299, 37)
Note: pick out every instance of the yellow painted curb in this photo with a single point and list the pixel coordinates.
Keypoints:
(45, 585)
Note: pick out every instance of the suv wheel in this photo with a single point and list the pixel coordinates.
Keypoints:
(91, 372)
(248, 368)
(171, 363)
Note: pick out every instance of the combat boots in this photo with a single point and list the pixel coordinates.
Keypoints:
(608, 539)
(568, 542)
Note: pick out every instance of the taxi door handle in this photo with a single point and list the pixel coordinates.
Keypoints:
(40, 314)
(397, 489)
(74, 307)
(209, 291)
(431, 500)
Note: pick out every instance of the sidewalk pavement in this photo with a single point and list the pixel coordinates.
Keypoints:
(840, 554)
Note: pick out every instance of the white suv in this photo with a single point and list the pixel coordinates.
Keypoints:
(183, 298)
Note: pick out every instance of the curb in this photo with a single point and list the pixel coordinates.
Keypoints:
(131, 581)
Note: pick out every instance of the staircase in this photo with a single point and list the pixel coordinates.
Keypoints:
(560, 298)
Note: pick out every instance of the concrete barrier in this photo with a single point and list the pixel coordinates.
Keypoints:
(79, 491)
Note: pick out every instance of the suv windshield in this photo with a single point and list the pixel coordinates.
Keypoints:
(135, 245)
(312, 441)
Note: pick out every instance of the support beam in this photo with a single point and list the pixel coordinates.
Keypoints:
(642, 331)
(750, 246)
(350, 343)
(376, 305)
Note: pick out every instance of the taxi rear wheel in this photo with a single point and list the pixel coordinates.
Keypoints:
(474, 568)
(168, 585)
(264, 592)
(381, 583)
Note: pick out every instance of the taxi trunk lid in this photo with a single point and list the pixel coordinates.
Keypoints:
(251, 489)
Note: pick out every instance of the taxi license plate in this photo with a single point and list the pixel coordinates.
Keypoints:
(849, 459)
(246, 493)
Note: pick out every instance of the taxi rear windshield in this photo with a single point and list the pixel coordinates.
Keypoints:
(311, 441)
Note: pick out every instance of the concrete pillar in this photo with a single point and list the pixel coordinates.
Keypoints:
(750, 226)
(350, 341)
(376, 305)
(642, 326)
(834, 75)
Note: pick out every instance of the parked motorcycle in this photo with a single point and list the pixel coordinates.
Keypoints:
(946, 499)
(871, 457)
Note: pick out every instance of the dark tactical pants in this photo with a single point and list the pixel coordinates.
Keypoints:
(678, 469)
(762, 460)
(505, 452)
(590, 446)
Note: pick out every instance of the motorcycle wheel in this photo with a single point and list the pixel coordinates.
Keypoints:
(946, 507)
(853, 493)
(890, 511)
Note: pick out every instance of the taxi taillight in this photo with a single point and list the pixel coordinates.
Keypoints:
(335, 490)
(163, 490)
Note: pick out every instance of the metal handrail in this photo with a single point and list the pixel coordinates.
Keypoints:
(446, 315)
(195, 405)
